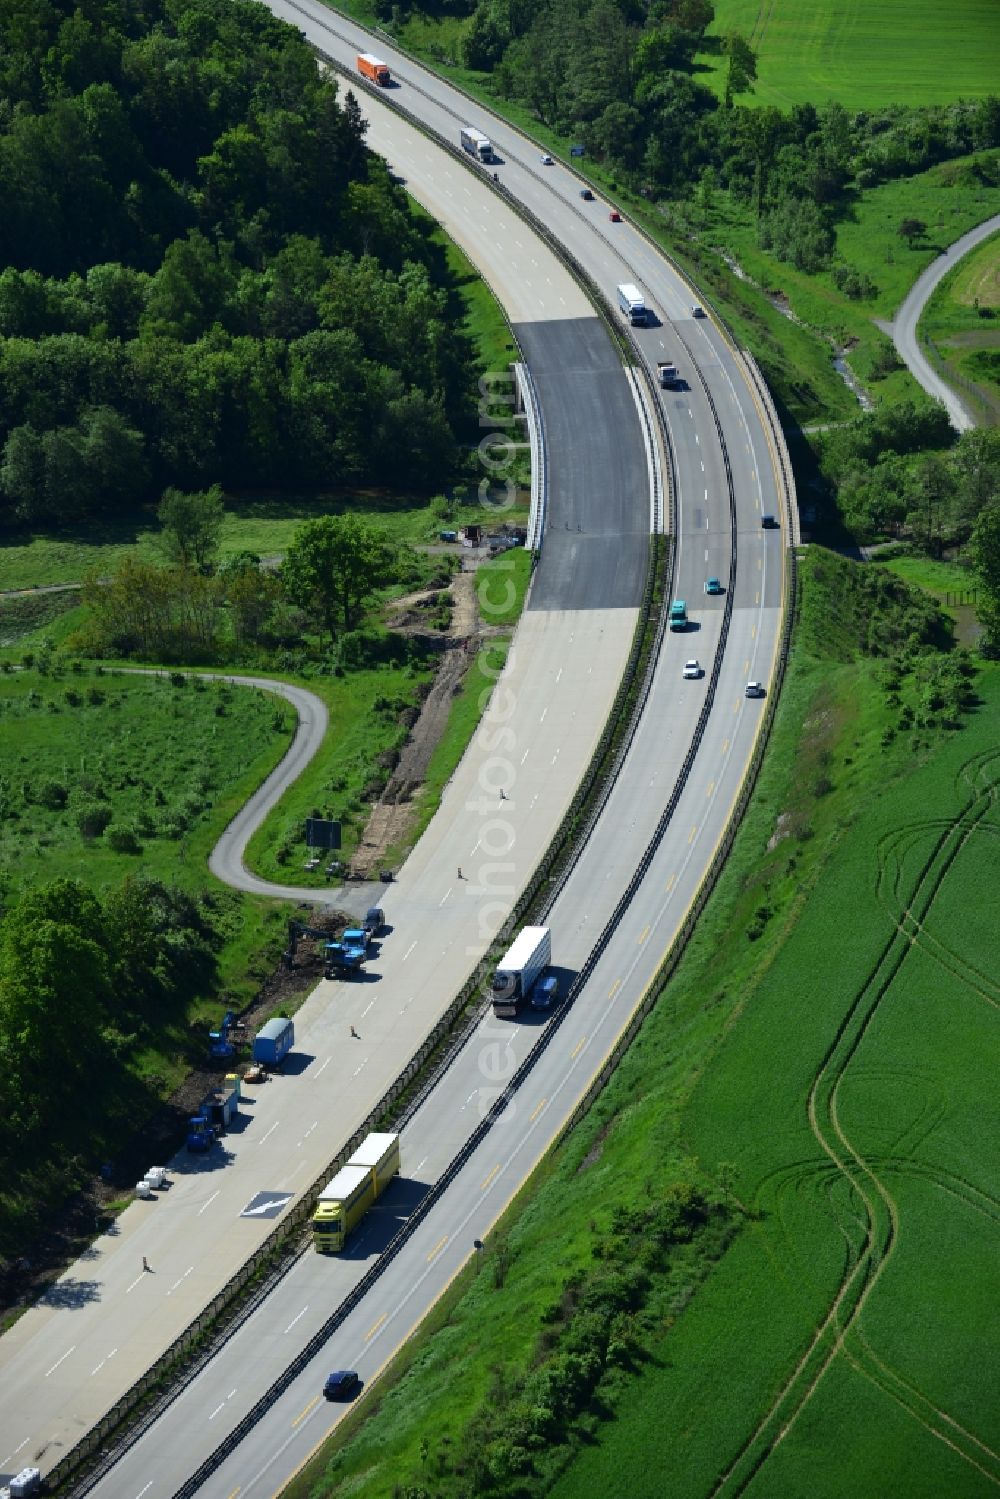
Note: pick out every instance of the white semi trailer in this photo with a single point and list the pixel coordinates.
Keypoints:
(518, 969)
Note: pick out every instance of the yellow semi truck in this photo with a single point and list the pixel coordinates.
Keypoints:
(346, 1198)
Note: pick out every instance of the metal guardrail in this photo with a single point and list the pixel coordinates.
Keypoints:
(786, 474)
(539, 468)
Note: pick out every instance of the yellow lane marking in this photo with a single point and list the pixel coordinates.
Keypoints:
(693, 832)
(537, 1110)
(614, 988)
(578, 1047)
(437, 1249)
(300, 1417)
(643, 935)
(671, 883)
(374, 1329)
(725, 745)
(485, 1183)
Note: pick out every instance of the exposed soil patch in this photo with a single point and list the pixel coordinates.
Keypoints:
(86, 1213)
(394, 813)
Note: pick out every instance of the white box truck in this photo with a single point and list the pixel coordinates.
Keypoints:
(632, 305)
(477, 144)
(518, 969)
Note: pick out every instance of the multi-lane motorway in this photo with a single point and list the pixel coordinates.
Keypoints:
(570, 647)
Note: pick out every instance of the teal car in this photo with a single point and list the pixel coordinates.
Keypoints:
(712, 585)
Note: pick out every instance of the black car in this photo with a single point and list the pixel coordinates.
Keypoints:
(769, 522)
(341, 1385)
(586, 194)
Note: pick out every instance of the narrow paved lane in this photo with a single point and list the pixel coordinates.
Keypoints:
(903, 328)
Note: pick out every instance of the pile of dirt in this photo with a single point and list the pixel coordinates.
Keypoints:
(76, 1222)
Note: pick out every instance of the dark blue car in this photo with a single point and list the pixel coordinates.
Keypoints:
(341, 1384)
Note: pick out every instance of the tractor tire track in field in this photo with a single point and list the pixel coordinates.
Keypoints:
(891, 857)
(881, 1213)
(762, 20)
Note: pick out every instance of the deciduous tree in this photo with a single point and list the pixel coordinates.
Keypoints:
(192, 524)
(333, 564)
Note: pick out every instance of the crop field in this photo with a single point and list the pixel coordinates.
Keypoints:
(863, 53)
(853, 1104)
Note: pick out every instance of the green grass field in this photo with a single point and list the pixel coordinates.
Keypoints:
(265, 525)
(172, 763)
(863, 53)
(832, 1074)
(364, 708)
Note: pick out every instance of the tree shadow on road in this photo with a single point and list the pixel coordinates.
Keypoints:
(70, 1294)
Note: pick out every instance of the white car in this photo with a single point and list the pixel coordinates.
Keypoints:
(697, 310)
(755, 689)
(546, 161)
(692, 670)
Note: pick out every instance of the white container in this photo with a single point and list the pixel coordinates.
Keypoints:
(156, 1176)
(143, 1189)
(28, 1481)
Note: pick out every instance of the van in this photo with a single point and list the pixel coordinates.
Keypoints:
(678, 615)
(374, 921)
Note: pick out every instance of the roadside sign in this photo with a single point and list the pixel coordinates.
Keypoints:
(322, 833)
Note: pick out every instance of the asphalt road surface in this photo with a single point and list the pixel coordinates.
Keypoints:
(65, 1361)
(904, 326)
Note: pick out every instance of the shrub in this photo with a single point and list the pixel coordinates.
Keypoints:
(53, 794)
(123, 839)
(92, 818)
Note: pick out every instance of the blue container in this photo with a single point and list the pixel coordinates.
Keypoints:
(273, 1042)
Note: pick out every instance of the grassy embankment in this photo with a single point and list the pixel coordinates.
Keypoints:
(812, 51)
(770, 1039)
(949, 199)
(961, 322)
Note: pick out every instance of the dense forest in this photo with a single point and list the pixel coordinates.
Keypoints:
(207, 276)
(85, 979)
